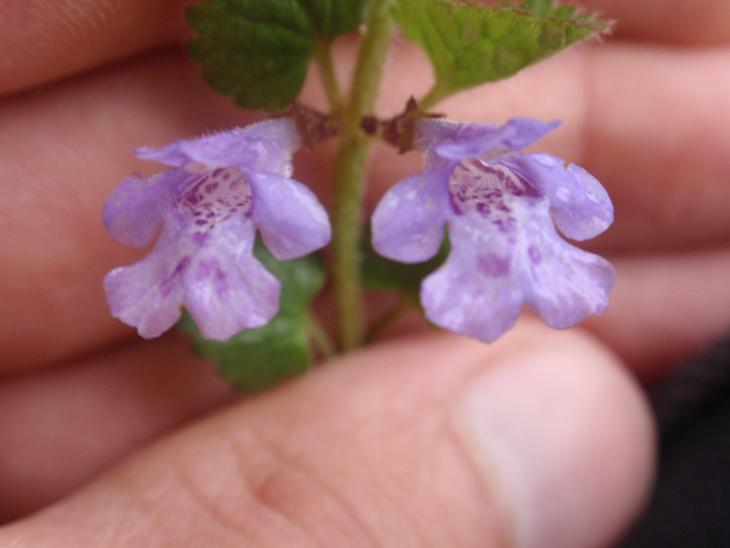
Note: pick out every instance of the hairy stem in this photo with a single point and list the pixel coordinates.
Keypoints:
(328, 76)
(434, 96)
(350, 174)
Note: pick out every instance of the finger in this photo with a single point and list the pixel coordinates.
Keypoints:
(541, 441)
(665, 308)
(43, 40)
(61, 154)
(703, 21)
(60, 427)
(651, 124)
(672, 168)
(67, 176)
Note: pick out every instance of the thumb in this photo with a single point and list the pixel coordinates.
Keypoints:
(539, 441)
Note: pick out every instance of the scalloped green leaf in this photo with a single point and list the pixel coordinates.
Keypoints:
(333, 18)
(259, 358)
(258, 51)
(471, 44)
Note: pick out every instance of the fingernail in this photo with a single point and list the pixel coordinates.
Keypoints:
(558, 463)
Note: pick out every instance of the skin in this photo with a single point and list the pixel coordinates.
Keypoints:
(108, 441)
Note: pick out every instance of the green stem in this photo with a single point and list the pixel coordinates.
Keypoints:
(434, 96)
(350, 174)
(329, 77)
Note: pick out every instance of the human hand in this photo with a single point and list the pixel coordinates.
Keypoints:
(65, 147)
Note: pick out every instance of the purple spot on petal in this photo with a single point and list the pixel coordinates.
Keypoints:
(493, 266)
(535, 255)
(167, 284)
(508, 224)
(211, 269)
(485, 189)
(217, 195)
(483, 208)
(182, 265)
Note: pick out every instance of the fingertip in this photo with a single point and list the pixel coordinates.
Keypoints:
(563, 439)
(540, 440)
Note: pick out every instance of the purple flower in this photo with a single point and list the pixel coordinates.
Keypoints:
(220, 190)
(501, 207)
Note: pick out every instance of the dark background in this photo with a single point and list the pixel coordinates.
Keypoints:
(690, 507)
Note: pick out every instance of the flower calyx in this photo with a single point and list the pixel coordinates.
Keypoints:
(399, 131)
(314, 126)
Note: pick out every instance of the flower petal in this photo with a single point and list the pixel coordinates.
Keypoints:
(408, 224)
(148, 294)
(520, 133)
(133, 213)
(476, 292)
(266, 146)
(495, 266)
(291, 220)
(434, 131)
(581, 207)
(516, 134)
(565, 283)
(226, 289)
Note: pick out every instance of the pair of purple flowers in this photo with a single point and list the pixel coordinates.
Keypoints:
(501, 207)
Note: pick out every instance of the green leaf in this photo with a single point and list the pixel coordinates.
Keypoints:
(382, 274)
(301, 279)
(258, 358)
(332, 18)
(539, 7)
(258, 51)
(471, 44)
